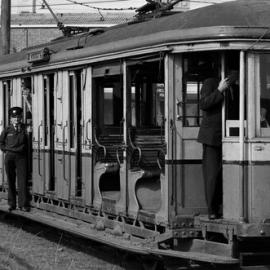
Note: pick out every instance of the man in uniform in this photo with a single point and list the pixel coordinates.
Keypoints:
(210, 135)
(13, 142)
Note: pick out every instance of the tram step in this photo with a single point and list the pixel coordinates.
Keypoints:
(211, 247)
(196, 256)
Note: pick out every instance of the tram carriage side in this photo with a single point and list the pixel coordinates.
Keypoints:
(114, 141)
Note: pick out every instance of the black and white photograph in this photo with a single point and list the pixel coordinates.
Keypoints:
(135, 135)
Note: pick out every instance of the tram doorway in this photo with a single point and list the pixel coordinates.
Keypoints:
(49, 133)
(27, 119)
(75, 133)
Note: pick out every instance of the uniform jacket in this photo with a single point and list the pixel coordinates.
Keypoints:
(14, 141)
(210, 132)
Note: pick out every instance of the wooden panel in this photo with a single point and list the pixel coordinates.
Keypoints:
(231, 191)
(38, 137)
(190, 187)
(259, 193)
(87, 174)
(62, 158)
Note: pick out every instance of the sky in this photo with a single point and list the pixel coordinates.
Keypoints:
(65, 6)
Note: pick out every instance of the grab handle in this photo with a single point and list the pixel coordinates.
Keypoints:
(63, 148)
(39, 139)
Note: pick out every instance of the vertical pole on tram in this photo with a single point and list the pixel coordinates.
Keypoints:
(5, 25)
(242, 194)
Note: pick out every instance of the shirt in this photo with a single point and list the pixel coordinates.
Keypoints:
(14, 141)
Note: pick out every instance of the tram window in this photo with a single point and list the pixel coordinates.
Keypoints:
(191, 110)
(109, 93)
(232, 95)
(147, 94)
(262, 83)
(108, 104)
(196, 68)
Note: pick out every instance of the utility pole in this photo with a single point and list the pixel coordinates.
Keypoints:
(5, 25)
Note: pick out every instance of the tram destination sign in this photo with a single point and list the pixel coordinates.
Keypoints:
(42, 55)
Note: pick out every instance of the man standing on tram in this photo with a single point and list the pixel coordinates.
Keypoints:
(210, 135)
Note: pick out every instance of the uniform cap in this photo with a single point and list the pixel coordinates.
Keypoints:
(15, 111)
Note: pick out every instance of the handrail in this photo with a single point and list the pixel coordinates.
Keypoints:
(158, 159)
(134, 147)
(39, 171)
(63, 148)
(117, 153)
(99, 144)
(86, 131)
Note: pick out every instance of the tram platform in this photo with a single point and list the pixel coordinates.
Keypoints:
(125, 242)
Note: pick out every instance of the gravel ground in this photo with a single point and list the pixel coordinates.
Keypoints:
(28, 245)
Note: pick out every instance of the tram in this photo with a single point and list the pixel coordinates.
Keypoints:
(114, 116)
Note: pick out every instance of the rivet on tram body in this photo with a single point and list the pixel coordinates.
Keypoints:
(262, 232)
(183, 224)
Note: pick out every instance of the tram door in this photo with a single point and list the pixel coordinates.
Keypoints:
(190, 70)
(62, 177)
(38, 134)
(49, 132)
(86, 143)
(27, 119)
(75, 133)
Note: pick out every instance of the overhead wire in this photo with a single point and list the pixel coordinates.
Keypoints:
(71, 4)
(99, 8)
(106, 1)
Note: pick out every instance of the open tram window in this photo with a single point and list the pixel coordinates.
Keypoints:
(196, 68)
(232, 94)
(262, 86)
(147, 93)
(108, 92)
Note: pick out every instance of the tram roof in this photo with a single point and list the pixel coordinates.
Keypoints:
(235, 19)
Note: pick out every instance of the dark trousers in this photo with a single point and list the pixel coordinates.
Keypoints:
(212, 174)
(16, 164)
